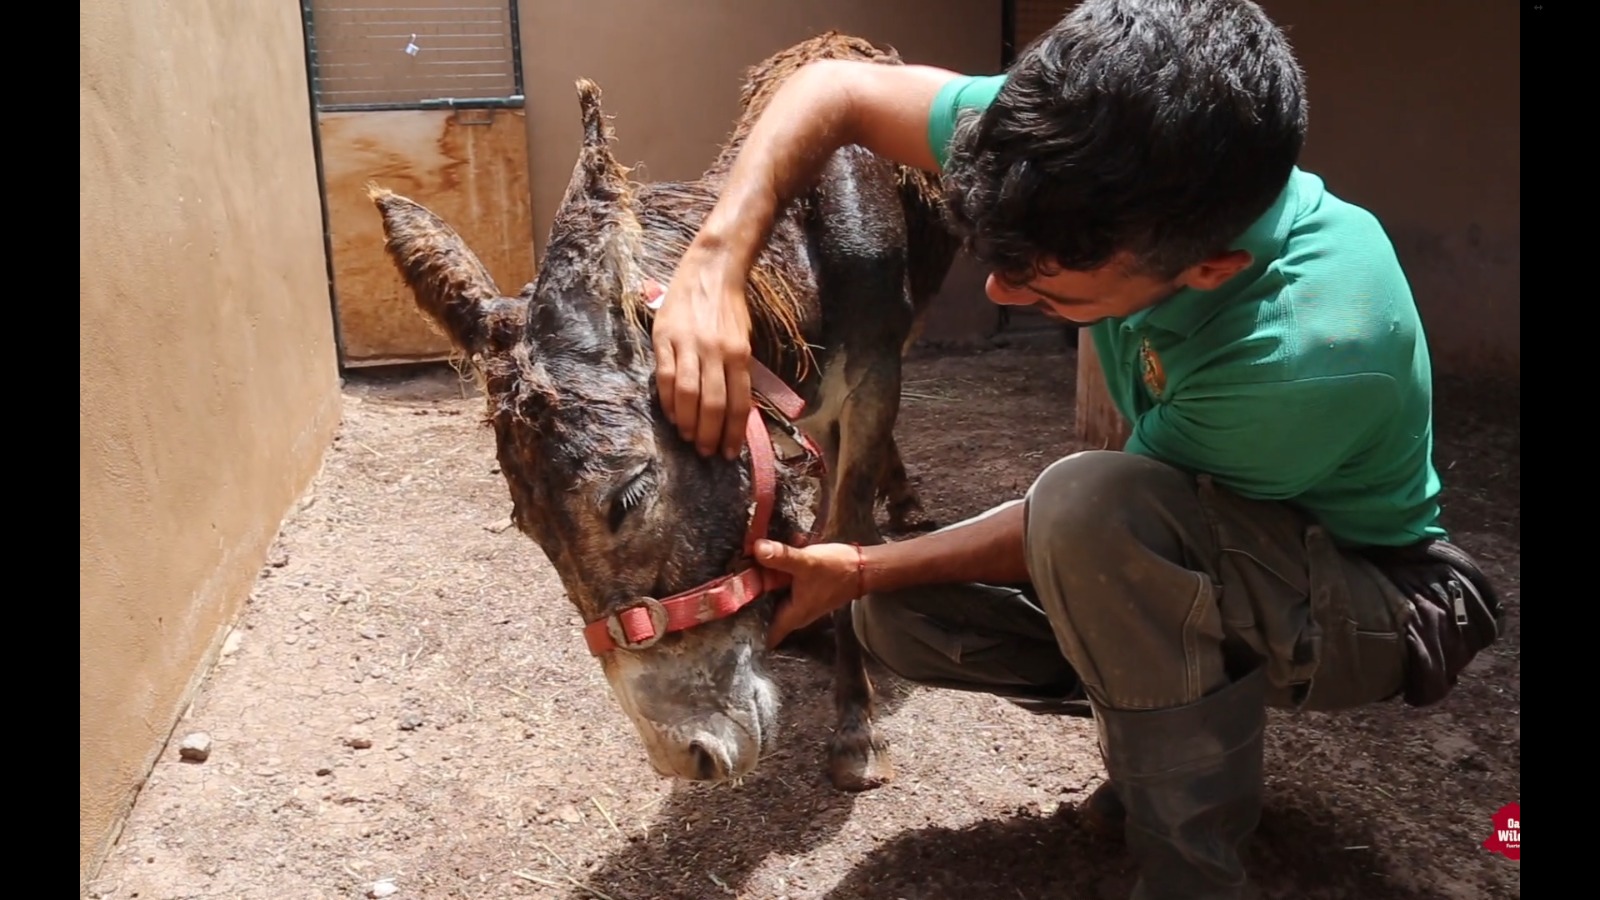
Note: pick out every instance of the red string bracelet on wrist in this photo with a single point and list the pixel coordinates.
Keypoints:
(861, 572)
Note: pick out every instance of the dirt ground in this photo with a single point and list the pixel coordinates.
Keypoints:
(407, 709)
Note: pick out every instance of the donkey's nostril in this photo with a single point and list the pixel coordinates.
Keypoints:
(707, 765)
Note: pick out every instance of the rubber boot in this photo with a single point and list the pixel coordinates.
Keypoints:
(1190, 781)
(1103, 811)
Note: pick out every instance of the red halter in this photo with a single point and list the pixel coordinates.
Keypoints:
(647, 620)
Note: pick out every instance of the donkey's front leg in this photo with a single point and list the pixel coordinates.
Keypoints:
(894, 488)
(858, 759)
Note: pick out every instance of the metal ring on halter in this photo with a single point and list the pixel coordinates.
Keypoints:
(658, 622)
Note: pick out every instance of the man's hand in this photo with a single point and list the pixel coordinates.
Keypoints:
(702, 344)
(987, 548)
(826, 577)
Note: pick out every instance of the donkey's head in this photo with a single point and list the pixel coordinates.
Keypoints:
(622, 506)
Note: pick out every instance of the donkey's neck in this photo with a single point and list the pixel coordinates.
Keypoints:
(794, 507)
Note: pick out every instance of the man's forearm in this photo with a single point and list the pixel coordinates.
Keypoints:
(988, 549)
(806, 120)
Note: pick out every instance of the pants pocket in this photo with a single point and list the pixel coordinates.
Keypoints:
(1266, 586)
(1360, 615)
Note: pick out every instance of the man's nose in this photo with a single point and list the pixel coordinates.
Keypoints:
(1005, 295)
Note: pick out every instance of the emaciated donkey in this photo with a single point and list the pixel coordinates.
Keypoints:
(649, 538)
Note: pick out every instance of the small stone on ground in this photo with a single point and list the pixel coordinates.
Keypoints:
(196, 747)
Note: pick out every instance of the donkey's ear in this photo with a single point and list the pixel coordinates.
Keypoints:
(449, 283)
(598, 180)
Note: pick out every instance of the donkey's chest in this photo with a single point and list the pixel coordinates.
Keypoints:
(827, 407)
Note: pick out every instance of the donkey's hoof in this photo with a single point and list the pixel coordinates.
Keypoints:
(859, 760)
(908, 517)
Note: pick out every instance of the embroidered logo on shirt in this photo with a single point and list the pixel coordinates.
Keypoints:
(1155, 377)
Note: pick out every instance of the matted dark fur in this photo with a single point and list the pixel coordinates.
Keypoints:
(620, 504)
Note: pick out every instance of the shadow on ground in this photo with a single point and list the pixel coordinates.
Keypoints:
(708, 840)
(1300, 851)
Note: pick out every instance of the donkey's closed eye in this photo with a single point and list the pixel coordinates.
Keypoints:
(633, 493)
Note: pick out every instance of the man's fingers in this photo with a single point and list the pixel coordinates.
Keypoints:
(738, 410)
(667, 380)
(713, 403)
(791, 612)
(790, 616)
(783, 622)
(687, 395)
(776, 555)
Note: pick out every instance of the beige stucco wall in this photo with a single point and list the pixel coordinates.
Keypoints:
(671, 74)
(1416, 113)
(207, 380)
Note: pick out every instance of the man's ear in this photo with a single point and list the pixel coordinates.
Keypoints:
(1213, 273)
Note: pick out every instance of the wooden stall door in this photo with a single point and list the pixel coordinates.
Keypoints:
(1099, 425)
(426, 99)
(470, 167)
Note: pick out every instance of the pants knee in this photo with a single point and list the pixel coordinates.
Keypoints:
(1114, 544)
(1086, 504)
(879, 627)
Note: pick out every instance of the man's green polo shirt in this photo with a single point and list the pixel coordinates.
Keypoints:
(1305, 378)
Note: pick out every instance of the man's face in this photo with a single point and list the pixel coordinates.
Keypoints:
(1086, 297)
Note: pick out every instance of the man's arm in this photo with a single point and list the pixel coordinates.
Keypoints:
(702, 333)
(988, 548)
(824, 106)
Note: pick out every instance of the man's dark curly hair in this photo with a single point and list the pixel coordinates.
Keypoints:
(1161, 128)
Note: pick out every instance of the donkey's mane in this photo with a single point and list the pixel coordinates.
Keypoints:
(669, 214)
(666, 215)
